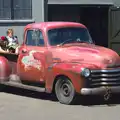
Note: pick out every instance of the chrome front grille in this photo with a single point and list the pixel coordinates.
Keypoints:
(109, 77)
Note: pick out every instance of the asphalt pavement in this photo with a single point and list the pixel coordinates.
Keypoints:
(19, 104)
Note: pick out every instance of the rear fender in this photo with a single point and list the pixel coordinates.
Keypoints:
(5, 69)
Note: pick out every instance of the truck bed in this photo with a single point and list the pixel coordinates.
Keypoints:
(12, 57)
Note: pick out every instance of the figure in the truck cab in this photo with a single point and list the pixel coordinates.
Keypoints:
(13, 41)
(10, 36)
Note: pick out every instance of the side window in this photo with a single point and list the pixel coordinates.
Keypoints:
(34, 38)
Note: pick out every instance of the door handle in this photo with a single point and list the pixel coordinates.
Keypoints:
(24, 51)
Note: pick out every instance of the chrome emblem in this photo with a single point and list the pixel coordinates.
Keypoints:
(110, 61)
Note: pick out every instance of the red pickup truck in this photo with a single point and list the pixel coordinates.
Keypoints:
(61, 57)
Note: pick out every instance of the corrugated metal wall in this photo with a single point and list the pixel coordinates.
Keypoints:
(114, 29)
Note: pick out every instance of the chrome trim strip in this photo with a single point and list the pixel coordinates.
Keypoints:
(105, 75)
(106, 84)
(106, 79)
(103, 70)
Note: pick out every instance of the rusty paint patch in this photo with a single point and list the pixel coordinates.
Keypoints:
(29, 61)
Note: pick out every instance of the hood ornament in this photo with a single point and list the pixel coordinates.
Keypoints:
(110, 61)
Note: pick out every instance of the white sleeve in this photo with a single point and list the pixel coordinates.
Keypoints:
(17, 50)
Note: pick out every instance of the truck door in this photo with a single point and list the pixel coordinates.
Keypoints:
(114, 29)
(34, 57)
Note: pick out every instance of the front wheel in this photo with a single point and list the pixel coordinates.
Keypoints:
(65, 91)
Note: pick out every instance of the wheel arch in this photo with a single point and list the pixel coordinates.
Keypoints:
(55, 80)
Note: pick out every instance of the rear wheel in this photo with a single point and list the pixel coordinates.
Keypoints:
(65, 91)
(2, 87)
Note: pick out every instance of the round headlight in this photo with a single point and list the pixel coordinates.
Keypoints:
(85, 72)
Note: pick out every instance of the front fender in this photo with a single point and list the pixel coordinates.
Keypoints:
(70, 70)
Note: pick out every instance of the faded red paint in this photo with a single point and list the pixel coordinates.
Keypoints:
(86, 54)
(61, 60)
(5, 69)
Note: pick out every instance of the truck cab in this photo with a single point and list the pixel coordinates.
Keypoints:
(61, 57)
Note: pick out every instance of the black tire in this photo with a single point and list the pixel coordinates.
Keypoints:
(2, 87)
(65, 91)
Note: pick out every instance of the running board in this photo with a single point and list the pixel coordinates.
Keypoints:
(20, 85)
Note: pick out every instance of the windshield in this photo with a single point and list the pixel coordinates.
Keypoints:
(68, 35)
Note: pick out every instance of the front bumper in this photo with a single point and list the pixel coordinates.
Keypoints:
(98, 91)
(102, 80)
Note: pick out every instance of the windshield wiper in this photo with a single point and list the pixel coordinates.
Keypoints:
(80, 41)
(66, 42)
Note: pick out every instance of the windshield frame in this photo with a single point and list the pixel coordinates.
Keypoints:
(89, 42)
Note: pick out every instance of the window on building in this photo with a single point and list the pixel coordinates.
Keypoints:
(5, 9)
(34, 38)
(15, 9)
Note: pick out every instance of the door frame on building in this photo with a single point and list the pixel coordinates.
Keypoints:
(114, 28)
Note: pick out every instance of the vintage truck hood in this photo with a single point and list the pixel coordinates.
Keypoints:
(87, 53)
